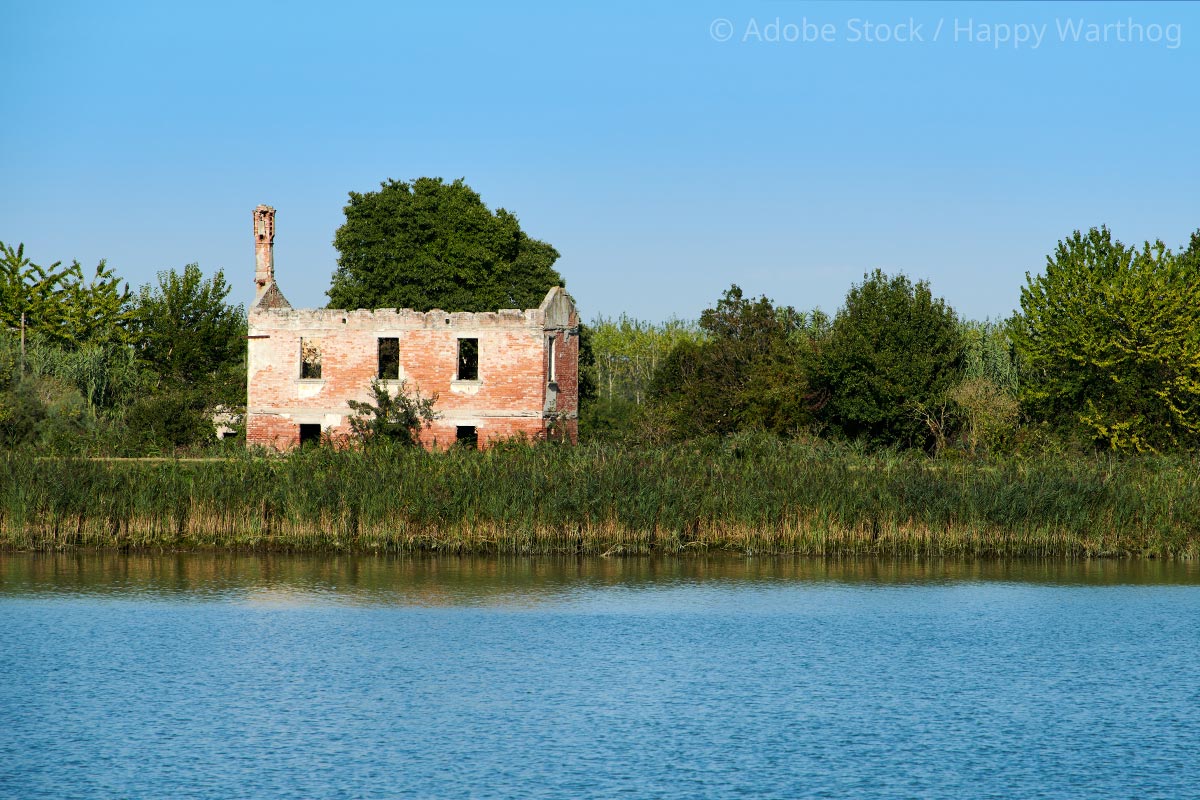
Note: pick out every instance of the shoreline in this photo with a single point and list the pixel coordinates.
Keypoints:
(752, 496)
(205, 532)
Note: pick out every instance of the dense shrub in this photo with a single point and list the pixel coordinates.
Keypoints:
(893, 349)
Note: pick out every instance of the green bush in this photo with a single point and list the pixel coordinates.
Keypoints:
(165, 422)
(21, 414)
(893, 349)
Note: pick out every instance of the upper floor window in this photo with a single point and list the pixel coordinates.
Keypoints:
(310, 359)
(468, 360)
(389, 358)
(550, 356)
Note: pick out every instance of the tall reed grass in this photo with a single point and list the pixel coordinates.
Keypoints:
(747, 494)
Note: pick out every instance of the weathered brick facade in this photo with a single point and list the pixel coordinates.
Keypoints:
(516, 389)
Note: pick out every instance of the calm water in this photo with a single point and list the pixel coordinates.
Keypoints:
(206, 676)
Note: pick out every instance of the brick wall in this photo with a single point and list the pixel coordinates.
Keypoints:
(508, 399)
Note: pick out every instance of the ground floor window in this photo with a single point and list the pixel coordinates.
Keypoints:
(466, 436)
(310, 435)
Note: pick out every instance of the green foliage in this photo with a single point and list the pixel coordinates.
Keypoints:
(749, 371)
(64, 356)
(10, 359)
(893, 349)
(428, 244)
(588, 389)
(396, 418)
(604, 420)
(98, 310)
(166, 421)
(1111, 337)
(104, 371)
(626, 353)
(188, 336)
(45, 412)
(986, 414)
(58, 303)
(31, 295)
(68, 419)
(618, 359)
(980, 413)
(1191, 253)
(989, 353)
(105, 374)
(21, 413)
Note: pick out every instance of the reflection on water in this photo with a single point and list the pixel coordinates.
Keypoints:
(272, 579)
(212, 675)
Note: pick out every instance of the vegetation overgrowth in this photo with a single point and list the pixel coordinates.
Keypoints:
(748, 493)
(894, 426)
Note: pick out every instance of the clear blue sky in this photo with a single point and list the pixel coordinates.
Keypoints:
(664, 164)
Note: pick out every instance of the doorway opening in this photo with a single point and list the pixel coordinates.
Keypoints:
(310, 435)
(466, 436)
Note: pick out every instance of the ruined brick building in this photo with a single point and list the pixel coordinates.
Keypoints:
(497, 374)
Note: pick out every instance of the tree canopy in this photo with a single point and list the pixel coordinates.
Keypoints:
(893, 347)
(626, 353)
(747, 372)
(1111, 338)
(58, 303)
(187, 335)
(428, 244)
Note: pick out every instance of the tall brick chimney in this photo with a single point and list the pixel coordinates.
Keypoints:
(264, 249)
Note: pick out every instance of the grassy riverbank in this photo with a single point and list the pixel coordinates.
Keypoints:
(746, 494)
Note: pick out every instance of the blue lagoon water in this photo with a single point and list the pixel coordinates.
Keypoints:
(221, 676)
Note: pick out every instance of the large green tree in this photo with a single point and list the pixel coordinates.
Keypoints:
(429, 244)
(893, 349)
(1110, 335)
(748, 372)
(189, 337)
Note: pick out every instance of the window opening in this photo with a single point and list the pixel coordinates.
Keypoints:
(389, 358)
(310, 359)
(468, 359)
(466, 436)
(310, 435)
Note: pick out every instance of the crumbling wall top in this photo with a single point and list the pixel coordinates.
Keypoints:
(262, 315)
(558, 309)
